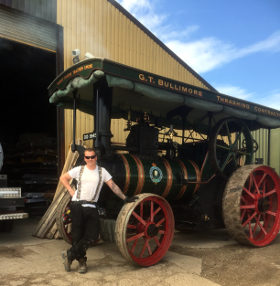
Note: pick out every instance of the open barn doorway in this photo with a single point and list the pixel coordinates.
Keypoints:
(28, 122)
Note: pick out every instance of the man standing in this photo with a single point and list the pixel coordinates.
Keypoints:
(84, 213)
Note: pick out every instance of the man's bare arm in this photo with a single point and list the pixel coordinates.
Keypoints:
(65, 180)
(114, 187)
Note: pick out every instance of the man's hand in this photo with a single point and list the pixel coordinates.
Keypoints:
(130, 200)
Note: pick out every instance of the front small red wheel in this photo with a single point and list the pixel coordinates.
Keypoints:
(144, 229)
(251, 205)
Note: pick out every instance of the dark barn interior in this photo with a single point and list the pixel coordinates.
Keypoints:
(28, 122)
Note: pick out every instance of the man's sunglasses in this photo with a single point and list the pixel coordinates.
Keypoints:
(90, 157)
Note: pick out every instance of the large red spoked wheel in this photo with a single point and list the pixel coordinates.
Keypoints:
(144, 229)
(251, 205)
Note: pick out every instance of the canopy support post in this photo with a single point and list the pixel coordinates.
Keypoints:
(210, 117)
(102, 120)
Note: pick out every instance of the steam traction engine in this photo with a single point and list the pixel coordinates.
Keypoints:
(187, 157)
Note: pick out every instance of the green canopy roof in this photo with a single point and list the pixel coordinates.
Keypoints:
(140, 91)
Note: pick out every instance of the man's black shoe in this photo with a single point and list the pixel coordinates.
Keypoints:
(82, 265)
(66, 261)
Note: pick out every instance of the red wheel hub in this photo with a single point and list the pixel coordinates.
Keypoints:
(151, 230)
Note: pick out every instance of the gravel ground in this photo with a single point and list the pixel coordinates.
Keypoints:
(205, 258)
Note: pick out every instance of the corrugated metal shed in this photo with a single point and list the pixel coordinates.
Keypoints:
(268, 152)
(45, 9)
(104, 29)
(23, 28)
(275, 149)
(261, 136)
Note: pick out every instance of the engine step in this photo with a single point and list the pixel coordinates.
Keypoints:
(12, 216)
(10, 192)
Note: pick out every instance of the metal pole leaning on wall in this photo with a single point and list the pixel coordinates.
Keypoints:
(96, 120)
(73, 146)
(268, 146)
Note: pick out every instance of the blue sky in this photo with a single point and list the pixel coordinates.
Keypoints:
(234, 45)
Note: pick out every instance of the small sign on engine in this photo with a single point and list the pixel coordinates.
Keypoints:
(88, 136)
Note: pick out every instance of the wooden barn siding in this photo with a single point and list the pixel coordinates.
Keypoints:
(98, 27)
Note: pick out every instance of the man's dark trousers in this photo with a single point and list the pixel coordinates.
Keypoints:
(85, 229)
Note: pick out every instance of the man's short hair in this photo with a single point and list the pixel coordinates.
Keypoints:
(89, 150)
